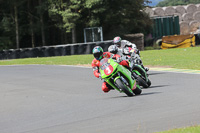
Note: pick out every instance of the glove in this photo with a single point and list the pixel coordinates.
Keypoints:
(119, 59)
(126, 51)
(100, 77)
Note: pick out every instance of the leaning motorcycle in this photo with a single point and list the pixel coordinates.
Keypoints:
(137, 70)
(140, 74)
(119, 77)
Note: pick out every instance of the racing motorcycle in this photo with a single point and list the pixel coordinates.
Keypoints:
(135, 62)
(118, 77)
(137, 70)
(140, 74)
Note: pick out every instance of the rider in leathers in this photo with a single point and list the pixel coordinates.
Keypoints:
(99, 54)
(128, 49)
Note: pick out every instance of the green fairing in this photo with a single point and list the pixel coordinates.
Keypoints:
(120, 69)
(138, 73)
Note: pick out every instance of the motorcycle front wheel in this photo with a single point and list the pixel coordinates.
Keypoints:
(123, 87)
(137, 91)
(142, 82)
(149, 82)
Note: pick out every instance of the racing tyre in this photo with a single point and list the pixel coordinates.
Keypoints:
(137, 91)
(123, 87)
(149, 83)
(142, 82)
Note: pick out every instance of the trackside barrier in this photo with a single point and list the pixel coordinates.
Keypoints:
(58, 50)
(67, 49)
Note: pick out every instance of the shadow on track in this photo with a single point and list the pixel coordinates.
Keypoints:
(142, 94)
(157, 73)
(157, 86)
(150, 93)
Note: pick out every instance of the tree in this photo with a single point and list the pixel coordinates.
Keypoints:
(93, 9)
(30, 23)
(30, 16)
(41, 11)
(11, 13)
(124, 17)
(69, 11)
(16, 25)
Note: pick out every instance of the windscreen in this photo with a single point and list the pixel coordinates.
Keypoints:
(104, 63)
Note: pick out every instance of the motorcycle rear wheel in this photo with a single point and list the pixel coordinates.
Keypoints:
(123, 87)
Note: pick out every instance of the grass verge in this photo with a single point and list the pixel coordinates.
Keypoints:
(183, 58)
(193, 129)
(60, 60)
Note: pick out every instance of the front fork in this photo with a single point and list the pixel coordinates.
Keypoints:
(143, 73)
(123, 80)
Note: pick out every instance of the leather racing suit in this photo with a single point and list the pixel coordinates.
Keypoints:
(96, 64)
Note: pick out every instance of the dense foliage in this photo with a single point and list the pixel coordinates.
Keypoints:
(177, 2)
(33, 23)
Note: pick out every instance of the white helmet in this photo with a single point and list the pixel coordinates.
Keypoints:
(113, 49)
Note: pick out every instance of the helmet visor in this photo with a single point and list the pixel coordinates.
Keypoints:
(98, 55)
(118, 44)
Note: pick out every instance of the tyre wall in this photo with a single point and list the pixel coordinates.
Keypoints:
(49, 51)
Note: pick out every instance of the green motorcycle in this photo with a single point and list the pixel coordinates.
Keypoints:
(140, 75)
(119, 77)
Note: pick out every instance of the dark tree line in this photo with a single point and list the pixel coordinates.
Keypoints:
(33, 23)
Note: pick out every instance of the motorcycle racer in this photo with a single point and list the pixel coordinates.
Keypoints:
(124, 43)
(98, 55)
(127, 48)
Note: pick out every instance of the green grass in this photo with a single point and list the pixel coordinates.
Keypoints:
(60, 60)
(184, 58)
(193, 129)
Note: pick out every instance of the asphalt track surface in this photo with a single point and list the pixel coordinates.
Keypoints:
(66, 99)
